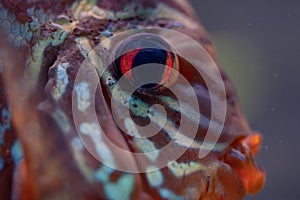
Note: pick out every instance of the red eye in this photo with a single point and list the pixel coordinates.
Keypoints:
(148, 51)
(126, 63)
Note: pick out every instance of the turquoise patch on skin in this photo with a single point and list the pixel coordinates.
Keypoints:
(168, 194)
(25, 33)
(5, 25)
(2, 10)
(92, 130)
(62, 120)
(107, 33)
(16, 152)
(11, 17)
(18, 41)
(62, 80)
(122, 189)
(83, 96)
(76, 142)
(1, 135)
(1, 163)
(34, 26)
(77, 148)
(5, 126)
(147, 147)
(15, 28)
(40, 14)
(102, 175)
(182, 169)
(154, 177)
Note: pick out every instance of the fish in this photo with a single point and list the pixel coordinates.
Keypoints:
(76, 103)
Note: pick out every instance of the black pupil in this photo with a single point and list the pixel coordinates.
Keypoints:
(149, 56)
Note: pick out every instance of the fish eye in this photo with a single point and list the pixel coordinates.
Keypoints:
(158, 59)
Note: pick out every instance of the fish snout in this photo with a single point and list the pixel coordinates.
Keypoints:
(240, 158)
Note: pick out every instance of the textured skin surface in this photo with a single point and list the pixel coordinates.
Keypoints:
(41, 156)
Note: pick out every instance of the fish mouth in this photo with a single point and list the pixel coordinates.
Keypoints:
(240, 157)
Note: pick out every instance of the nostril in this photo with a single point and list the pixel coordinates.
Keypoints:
(253, 142)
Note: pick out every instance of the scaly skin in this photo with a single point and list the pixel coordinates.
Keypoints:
(41, 157)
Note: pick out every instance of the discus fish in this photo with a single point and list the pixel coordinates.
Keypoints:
(48, 153)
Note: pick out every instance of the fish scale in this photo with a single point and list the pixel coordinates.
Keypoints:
(42, 47)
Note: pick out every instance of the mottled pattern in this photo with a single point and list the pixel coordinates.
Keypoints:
(42, 45)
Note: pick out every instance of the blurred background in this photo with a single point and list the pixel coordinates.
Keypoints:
(258, 43)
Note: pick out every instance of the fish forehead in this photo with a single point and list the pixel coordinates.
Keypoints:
(48, 25)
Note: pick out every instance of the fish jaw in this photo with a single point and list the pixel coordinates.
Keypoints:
(240, 158)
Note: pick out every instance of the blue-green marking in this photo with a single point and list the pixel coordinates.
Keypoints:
(4, 126)
(1, 163)
(16, 152)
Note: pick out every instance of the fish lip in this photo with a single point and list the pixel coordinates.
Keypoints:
(240, 156)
